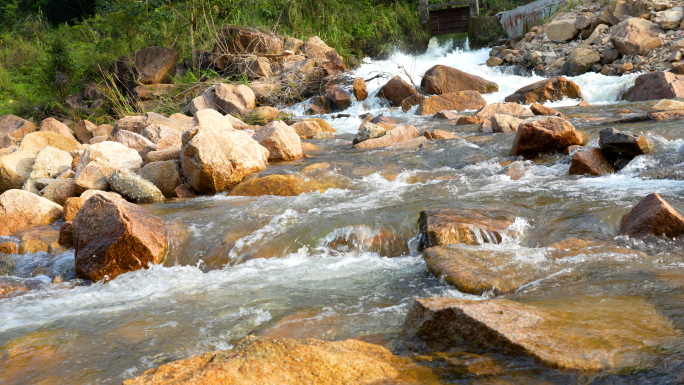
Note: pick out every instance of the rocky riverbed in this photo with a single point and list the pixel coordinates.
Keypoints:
(447, 222)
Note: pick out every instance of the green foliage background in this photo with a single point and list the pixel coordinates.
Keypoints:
(51, 48)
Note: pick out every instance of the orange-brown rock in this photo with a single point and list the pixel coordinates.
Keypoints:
(184, 191)
(54, 125)
(547, 90)
(39, 239)
(545, 134)
(150, 65)
(214, 161)
(442, 79)
(440, 134)
(444, 226)
(588, 335)
(633, 35)
(307, 129)
(463, 120)
(656, 85)
(456, 101)
(13, 129)
(476, 271)
(590, 162)
(360, 91)
(513, 109)
(411, 101)
(446, 115)
(539, 109)
(396, 135)
(396, 90)
(286, 361)
(71, 207)
(8, 247)
(338, 97)
(325, 126)
(318, 105)
(112, 237)
(281, 141)
(325, 56)
(652, 215)
(285, 185)
(21, 209)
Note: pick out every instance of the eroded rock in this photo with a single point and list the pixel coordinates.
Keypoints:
(445, 226)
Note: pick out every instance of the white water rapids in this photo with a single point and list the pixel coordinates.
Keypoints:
(274, 257)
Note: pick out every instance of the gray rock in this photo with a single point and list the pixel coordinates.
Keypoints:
(134, 187)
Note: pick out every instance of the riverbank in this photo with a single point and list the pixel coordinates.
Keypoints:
(341, 229)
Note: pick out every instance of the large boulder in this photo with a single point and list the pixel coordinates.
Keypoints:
(652, 215)
(545, 134)
(150, 65)
(575, 335)
(214, 161)
(620, 147)
(396, 135)
(281, 141)
(112, 237)
(656, 85)
(475, 271)
(445, 226)
(165, 175)
(456, 101)
(396, 90)
(232, 99)
(547, 90)
(634, 35)
(590, 162)
(134, 187)
(54, 125)
(581, 60)
(562, 28)
(326, 57)
(442, 79)
(212, 119)
(99, 161)
(49, 163)
(338, 97)
(505, 123)
(285, 361)
(13, 129)
(21, 209)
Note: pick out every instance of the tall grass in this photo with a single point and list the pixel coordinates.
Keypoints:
(41, 63)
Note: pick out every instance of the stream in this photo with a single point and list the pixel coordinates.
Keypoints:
(299, 267)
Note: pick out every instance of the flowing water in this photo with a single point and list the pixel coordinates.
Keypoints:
(303, 266)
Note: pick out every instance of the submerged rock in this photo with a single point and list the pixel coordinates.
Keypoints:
(652, 215)
(112, 237)
(590, 162)
(587, 335)
(545, 134)
(547, 90)
(287, 185)
(365, 239)
(442, 79)
(444, 226)
(257, 360)
(476, 271)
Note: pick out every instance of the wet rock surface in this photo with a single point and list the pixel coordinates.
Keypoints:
(652, 215)
(444, 226)
(112, 237)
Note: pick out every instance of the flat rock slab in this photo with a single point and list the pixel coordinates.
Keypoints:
(593, 334)
(475, 271)
(444, 226)
(289, 361)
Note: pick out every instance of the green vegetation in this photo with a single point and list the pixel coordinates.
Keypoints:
(50, 48)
